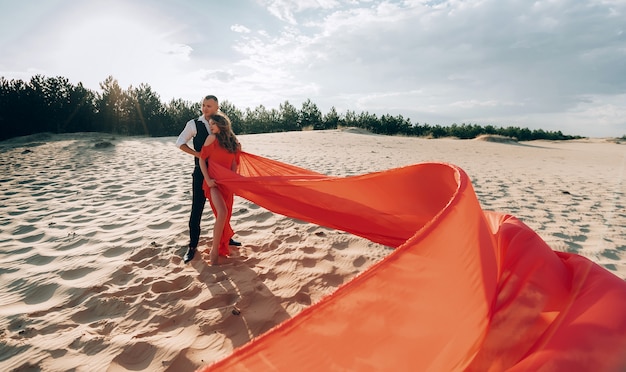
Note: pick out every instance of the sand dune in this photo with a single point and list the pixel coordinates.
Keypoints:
(91, 238)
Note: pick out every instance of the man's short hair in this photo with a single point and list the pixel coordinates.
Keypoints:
(210, 96)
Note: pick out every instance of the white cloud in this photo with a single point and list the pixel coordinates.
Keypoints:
(287, 10)
(547, 62)
(509, 57)
(240, 29)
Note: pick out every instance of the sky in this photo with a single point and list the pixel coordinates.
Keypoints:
(556, 65)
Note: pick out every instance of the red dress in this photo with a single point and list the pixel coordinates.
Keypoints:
(219, 157)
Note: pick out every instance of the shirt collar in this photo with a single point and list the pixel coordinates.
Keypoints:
(202, 119)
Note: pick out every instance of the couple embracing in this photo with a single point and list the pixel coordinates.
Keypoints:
(214, 142)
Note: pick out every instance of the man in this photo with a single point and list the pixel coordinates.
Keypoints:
(198, 130)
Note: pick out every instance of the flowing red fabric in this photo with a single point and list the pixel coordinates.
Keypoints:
(465, 290)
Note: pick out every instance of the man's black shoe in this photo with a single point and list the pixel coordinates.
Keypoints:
(191, 251)
(234, 242)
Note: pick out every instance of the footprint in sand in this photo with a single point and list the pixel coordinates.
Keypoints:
(20, 329)
(611, 254)
(175, 285)
(309, 262)
(96, 309)
(359, 261)
(88, 344)
(148, 257)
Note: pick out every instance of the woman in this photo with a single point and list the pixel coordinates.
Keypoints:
(221, 148)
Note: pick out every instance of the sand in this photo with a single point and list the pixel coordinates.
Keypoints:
(93, 227)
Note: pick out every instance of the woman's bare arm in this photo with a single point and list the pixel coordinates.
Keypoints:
(203, 163)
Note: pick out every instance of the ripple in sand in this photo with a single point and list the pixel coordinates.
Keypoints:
(136, 357)
(160, 226)
(175, 207)
(18, 251)
(40, 260)
(124, 198)
(54, 225)
(40, 294)
(8, 270)
(8, 351)
(135, 239)
(114, 252)
(113, 186)
(82, 220)
(72, 245)
(24, 229)
(76, 273)
(18, 212)
(113, 226)
(57, 353)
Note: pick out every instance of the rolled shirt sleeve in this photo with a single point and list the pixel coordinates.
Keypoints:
(187, 134)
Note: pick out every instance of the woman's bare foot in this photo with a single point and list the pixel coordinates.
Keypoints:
(214, 256)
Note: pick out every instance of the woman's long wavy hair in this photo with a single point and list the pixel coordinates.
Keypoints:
(226, 137)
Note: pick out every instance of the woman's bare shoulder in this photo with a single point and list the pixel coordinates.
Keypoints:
(210, 139)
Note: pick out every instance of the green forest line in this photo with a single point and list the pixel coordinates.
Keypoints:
(53, 104)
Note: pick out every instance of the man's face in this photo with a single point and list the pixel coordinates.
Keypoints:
(209, 107)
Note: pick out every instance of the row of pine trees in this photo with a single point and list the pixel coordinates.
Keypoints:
(53, 104)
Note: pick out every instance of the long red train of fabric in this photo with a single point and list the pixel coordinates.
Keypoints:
(464, 290)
